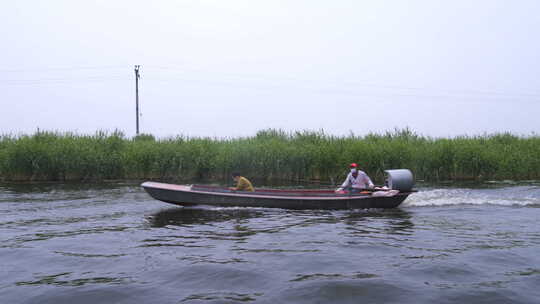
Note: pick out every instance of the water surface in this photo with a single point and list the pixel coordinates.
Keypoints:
(112, 243)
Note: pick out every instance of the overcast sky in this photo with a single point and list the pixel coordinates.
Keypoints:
(230, 68)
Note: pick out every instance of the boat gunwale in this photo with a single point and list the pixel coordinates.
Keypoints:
(322, 191)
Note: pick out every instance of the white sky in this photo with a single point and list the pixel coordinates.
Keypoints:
(230, 68)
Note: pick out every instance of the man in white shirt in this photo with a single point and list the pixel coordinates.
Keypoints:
(356, 180)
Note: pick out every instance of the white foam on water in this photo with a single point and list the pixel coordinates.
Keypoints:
(508, 196)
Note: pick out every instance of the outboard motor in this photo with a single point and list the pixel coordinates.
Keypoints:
(400, 179)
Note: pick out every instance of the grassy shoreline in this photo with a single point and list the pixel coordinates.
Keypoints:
(269, 155)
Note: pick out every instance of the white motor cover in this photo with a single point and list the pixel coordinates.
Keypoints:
(400, 179)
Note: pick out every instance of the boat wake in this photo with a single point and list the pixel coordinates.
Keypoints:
(508, 196)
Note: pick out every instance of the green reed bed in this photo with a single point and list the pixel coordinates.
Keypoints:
(269, 155)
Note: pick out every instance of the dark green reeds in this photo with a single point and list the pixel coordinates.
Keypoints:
(270, 155)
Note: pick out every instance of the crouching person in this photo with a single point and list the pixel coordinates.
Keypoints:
(242, 183)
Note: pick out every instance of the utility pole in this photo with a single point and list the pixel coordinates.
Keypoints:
(137, 76)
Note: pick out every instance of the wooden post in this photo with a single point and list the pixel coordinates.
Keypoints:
(137, 76)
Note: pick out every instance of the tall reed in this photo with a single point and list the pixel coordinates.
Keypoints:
(270, 155)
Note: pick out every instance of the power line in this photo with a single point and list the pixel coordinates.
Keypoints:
(342, 91)
(368, 84)
(253, 82)
(60, 81)
(51, 69)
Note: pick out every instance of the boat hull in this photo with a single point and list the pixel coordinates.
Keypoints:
(186, 196)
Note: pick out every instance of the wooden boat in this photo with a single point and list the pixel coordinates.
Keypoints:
(189, 195)
(186, 195)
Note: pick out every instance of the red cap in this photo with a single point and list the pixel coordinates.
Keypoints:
(353, 165)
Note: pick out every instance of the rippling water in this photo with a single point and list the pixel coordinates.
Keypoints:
(114, 244)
